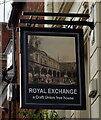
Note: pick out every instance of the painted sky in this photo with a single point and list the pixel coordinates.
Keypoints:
(59, 48)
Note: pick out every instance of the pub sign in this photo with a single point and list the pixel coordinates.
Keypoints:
(52, 68)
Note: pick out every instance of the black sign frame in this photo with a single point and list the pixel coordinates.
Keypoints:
(79, 102)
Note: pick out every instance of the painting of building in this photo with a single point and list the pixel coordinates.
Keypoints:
(44, 66)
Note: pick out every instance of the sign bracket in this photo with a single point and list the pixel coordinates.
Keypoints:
(57, 22)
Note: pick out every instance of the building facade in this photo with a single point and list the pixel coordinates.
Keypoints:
(91, 51)
(92, 54)
(5, 36)
(10, 110)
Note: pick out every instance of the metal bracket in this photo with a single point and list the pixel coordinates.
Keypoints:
(56, 14)
(83, 23)
(59, 22)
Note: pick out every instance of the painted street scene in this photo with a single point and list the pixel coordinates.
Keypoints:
(51, 60)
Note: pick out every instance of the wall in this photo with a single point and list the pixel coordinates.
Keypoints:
(95, 64)
(34, 7)
(4, 36)
(92, 59)
(4, 39)
(92, 49)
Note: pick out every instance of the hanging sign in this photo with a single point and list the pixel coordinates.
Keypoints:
(52, 68)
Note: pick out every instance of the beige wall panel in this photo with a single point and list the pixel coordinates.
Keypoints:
(57, 6)
(98, 34)
(97, 84)
(97, 12)
(75, 7)
(97, 39)
(95, 63)
(67, 113)
(61, 113)
(96, 108)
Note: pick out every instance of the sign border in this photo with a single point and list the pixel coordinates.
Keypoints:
(78, 34)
